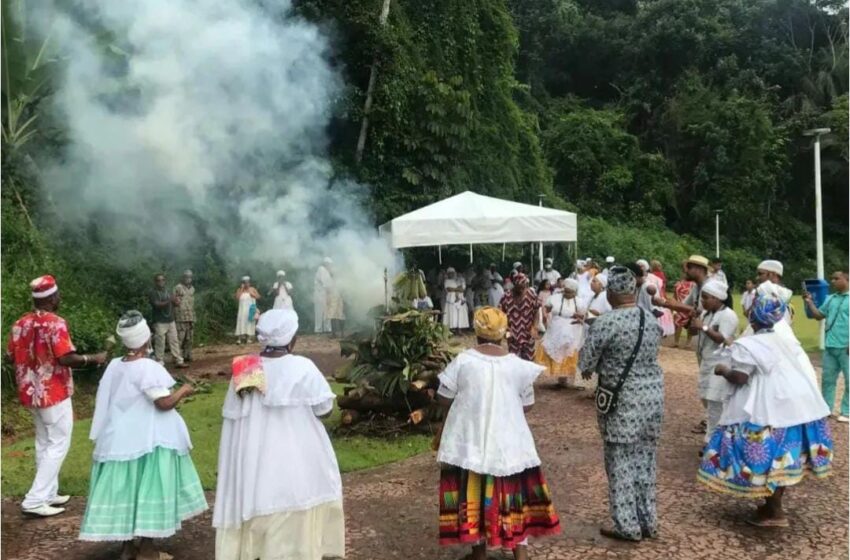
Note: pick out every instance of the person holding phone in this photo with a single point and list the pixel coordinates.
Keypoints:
(834, 311)
(716, 327)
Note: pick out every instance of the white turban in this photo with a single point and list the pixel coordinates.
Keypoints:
(133, 330)
(772, 266)
(246, 278)
(548, 260)
(517, 264)
(571, 284)
(281, 273)
(643, 264)
(717, 289)
(609, 260)
(187, 272)
(770, 289)
(277, 327)
(603, 279)
(327, 261)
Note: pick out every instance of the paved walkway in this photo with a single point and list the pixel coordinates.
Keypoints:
(391, 511)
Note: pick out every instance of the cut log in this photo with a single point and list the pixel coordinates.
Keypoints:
(349, 417)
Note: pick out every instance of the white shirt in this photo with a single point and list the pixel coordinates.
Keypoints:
(275, 454)
(778, 393)
(126, 423)
(486, 431)
(551, 275)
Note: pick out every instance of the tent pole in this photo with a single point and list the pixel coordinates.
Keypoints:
(440, 253)
(541, 259)
(470, 253)
(531, 263)
(503, 251)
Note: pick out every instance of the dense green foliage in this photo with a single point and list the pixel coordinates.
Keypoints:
(645, 117)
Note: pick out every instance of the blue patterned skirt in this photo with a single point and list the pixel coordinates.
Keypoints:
(752, 461)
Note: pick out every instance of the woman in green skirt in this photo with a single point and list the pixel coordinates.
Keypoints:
(143, 481)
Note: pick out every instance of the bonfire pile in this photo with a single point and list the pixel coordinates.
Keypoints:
(394, 367)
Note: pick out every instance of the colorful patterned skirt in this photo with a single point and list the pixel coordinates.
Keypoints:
(146, 497)
(566, 368)
(752, 461)
(501, 511)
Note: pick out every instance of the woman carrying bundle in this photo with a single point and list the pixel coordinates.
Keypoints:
(492, 490)
(774, 428)
(143, 481)
(279, 489)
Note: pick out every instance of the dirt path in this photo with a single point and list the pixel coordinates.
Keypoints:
(391, 511)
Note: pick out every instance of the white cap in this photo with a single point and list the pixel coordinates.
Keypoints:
(771, 266)
(281, 273)
(517, 264)
(609, 260)
(717, 289)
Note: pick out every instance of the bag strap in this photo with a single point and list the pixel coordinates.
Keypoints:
(631, 360)
(835, 317)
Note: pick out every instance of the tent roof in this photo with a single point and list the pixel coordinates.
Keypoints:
(470, 218)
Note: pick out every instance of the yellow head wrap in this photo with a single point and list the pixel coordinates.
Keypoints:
(490, 323)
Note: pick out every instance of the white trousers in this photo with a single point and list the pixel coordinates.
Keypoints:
(713, 410)
(322, 324)
(53, 426)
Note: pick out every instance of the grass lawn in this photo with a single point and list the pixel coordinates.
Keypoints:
(807, 330)
(203, 416)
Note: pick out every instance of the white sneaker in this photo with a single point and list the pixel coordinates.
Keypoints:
(44, 511)
(60, 500)
(843, 419)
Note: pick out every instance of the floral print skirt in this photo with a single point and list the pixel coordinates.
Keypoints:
(752, 461)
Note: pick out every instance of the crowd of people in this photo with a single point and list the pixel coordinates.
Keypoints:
(766, 424)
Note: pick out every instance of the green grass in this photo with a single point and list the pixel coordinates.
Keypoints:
(807, 330)
(203, 416)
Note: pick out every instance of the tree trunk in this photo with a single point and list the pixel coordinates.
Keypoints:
(373, 76)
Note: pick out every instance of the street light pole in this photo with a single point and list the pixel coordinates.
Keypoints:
(817, 133)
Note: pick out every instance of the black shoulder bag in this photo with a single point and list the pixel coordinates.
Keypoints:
(606, 399)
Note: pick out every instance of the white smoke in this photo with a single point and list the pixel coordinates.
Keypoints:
(215, 110)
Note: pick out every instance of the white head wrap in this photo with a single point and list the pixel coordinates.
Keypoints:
(772, 266)
(517, 265)
(281, 273)
(133, 330)
(327, 261)
(609, 260)
(277, 327)
(187, 272)
(548, 260)
(603, 279)
(643, 264)
(571, 284)
(246, 278)
(716, 288)
(770, 289)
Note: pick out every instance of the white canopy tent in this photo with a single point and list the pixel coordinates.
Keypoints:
(469, 218)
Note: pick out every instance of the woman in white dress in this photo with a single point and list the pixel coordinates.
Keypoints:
(456, 310)
(492, 489)
(558, 351)
(246, 316)
(599, 302)
(280, 292)
(279, 492)
(143, 481)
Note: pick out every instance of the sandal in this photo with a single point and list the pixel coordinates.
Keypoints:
(769, 522)
(612, 534)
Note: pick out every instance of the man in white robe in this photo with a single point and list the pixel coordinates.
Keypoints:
(321, 285)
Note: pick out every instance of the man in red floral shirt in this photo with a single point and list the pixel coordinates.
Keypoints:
(41, 349)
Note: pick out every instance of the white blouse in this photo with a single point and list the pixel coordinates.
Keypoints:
(777, 393)
(275, 454)
(126, 423)
(486, 430)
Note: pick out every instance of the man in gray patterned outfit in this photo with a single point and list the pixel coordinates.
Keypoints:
(630, 431)
(184, 315)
